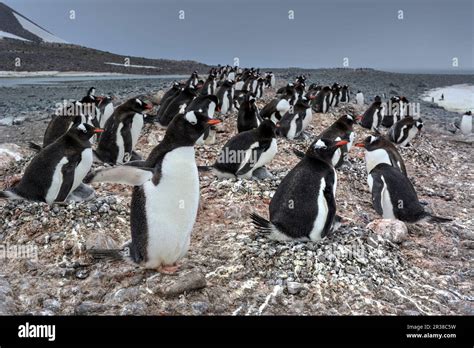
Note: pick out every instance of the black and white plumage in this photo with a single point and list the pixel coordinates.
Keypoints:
(344, 94)
(394, 197)
(58, 169)
(295, 121)
(165, 196)
(321, 102)
(207, 104)
(304, 206)
(248, 116)
(184, 97)
(405, 130)
(275, 109)
(372, 117)
(170, 94)
(121, 132)
(246, 152)
(381, 150)
(225, 94)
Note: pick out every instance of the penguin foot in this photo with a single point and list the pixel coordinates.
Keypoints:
(169, 269)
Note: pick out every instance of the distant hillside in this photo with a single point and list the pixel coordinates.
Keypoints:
(40, 50)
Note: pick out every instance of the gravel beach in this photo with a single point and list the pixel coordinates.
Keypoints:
(230, 270)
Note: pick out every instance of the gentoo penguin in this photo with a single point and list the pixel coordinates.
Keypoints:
(275, 109)
(184, 97)
(225, 94)
(405, 130)
(321, 102)
(206, 104)
(121, 132)
(394, 197)
(360, 98)
(193, 80)
(393, 112)
(304, 206)
(344, 95)
(335, 91)
(294, 122)
(372, 117)
(165, 196)
(63, 119)
(210, 85)
(246, 152)
(106, 108)
(381, 150)
(270, 79)
(466, 123)
(58, 169)
(248, 117)
(259, 88)
(170, 94)
(340, 130)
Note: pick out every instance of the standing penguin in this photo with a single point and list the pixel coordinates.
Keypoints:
(394, 197)
(121, 132)
(335, 90)
(345, 95)
(106, 109)
(372, 117)
(58, 169)
(304, 206)
(381, 150)
(248, 117)
(360, 98)
(270, 79)
(165, 196)
(170, 94)
(295, 121)
(405, 130)
(225, 94)
(259, 88)
(466, 123)
(393, 112)
(184, 97)
(206, 104)
(244, 153)
(210, 85)
(340, 130)
(321, 102)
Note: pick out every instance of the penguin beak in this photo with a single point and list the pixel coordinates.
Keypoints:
(148, 106)
(342, 143)
(358, 118)
(218, 109)
(213, 122)
(98, 130)
(360, 145)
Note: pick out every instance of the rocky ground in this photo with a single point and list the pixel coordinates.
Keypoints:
(360, 269)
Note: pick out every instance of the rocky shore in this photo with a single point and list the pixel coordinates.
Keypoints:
(425, 269)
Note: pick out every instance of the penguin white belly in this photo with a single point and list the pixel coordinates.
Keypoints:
(411, 134)
(272, 81)
(120, 144)
(307, 118)
(267, 156)
(336, 157)
(323, 209)
(375, 120)
(56, 181)
(374, 158)
(239, 85)
(466, 124)
(386, 203)
(82, 168)
(137, 125)
(225, 103)
(292, 131)
(351, 141)
(108, 111)
(171, 208)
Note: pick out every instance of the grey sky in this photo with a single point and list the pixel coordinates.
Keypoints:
(259, 32)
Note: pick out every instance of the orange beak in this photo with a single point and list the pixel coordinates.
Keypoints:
(359, 145)
(358, 118)
(342, 143)
(148, 106)
(98, 130)
(213, 122)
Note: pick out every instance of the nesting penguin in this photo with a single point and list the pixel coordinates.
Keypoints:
(373, 116)
(381, 150)
(246, 152)
(295, 121)
(275, 109)
(165, 196)
(121, 132)
(405, 130)
(248, 116)
(58, 169)
(304, 207)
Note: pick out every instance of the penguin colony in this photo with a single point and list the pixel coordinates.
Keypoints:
(165, 184)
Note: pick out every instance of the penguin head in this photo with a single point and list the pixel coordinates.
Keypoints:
(468, 113)
(138, 105)
(186, 128)
(347, 119)
(372, 143)
(83, 131)
(419, 124)
(250, 97)
(267, 129)
(377, 99)
(325, 148)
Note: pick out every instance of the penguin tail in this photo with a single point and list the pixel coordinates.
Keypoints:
(298, 153)
(10, 195)
(438, 219)
(262, 225)
(35, 147)
(204, 168)
(107, 254)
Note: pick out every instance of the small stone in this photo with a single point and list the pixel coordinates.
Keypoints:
(393, 230)
(200, 307)
(89, 308)
(294, 288)
(82, 273)
(184, 282)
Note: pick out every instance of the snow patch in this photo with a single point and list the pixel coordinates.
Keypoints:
(457, 98)
(38, 31)
(133, 66)
(4, 34)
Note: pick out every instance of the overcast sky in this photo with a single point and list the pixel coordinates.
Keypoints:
(259, 32)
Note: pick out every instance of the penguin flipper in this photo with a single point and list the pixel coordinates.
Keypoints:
(128, 175)
(331, 204)
(35, 147)
(438, 219)
(377, 187)
(261, 224)
(298, 153)
(113, 254)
